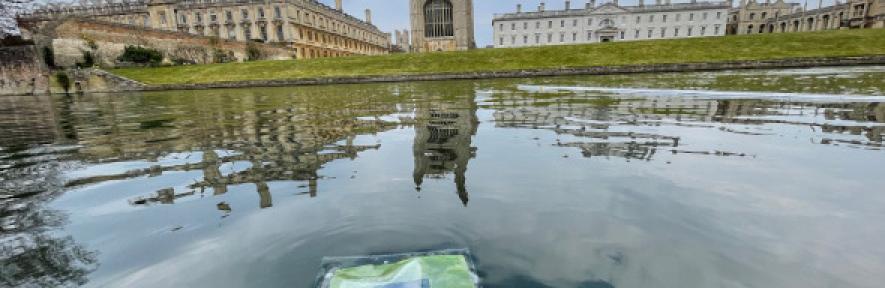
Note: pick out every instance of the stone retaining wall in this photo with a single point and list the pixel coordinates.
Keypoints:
(98, 81)
(22, 71)
(72, 38)
(598, 70)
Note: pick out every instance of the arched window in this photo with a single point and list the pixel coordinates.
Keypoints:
(438, 19)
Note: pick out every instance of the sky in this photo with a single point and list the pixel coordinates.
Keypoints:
(391, 15)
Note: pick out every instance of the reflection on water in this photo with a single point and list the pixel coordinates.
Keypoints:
(606, 124)
(443, 133)
(571, 184)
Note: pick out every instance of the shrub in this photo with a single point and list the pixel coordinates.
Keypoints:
(48, 57)
(63, 80)
(141, 55)
(221, 56)
(89, 42)
(88, 60)
(183, 61)
(252, 52)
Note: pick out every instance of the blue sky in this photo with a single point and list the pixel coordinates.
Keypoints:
(394, 14)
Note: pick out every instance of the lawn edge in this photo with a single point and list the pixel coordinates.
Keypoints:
(806, 62)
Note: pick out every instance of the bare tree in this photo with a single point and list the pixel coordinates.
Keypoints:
(9, 9)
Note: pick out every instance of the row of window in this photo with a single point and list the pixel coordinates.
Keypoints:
(574, 22)
(307, 17)
(229, 16)
(280, 36)
(676, 32)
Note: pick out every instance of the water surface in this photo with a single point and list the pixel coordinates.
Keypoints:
(730, 179)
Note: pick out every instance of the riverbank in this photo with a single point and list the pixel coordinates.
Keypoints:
(849, 47)
(600, 70)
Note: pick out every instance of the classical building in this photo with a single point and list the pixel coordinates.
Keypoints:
(779, 17)
(442, 25)
(609, 22)
(314, 29)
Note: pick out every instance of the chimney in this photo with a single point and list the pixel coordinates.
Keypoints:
(696, 1)
(592, 4)
(641, 3)
(658, 2)
(369, 16)
(541, 7)
(615, 2)
(667, 2)
(338, 5)
(518, 8)
(568, 5)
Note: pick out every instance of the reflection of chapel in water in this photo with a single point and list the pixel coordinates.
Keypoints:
(443, 138)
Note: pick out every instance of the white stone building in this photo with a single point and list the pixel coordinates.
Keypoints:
(610, 22)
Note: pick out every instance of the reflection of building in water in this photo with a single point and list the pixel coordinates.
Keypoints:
(610, 126)
(443, 137)
(856, 124)
(599, 121)
(287, 141)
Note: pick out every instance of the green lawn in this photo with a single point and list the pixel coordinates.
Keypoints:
(712, 49)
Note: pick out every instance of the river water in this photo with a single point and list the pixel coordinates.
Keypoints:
(769, 178)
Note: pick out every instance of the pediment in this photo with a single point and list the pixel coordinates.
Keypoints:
(608, 8)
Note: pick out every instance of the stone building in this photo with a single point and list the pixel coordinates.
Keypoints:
(442, 25)
(609, 22)
(309, 26)
(780, 17)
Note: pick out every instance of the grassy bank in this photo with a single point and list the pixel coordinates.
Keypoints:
(712, 49)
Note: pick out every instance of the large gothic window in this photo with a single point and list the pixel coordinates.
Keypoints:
(438, 19)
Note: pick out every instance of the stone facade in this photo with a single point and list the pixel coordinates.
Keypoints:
(781, 17)
(22, 71)
(70, 39)
(309, 27)
(442, 25)
(609, 22)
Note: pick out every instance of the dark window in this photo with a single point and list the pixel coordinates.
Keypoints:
(438, 19)
(280, 35)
